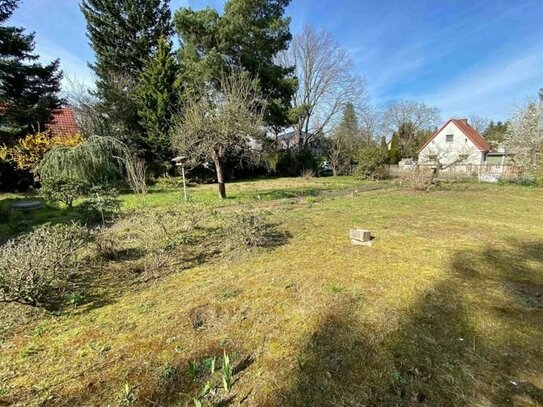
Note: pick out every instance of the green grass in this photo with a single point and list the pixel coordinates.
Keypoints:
(444, 310)
(245, 191)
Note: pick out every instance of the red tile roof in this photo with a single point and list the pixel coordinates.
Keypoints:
(64, 122)
(468, 131)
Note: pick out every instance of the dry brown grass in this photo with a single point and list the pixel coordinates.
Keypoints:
(444, 309)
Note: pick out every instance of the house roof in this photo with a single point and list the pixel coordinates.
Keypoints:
(64, 122)
(289, 135)
(468, 131)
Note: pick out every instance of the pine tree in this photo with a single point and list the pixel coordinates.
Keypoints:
(124, 34)
(394, 152)
(247, 36)
(345, 142)
(29, 91)
(349, 122)
(495, 132)
(407, 137)
(158, 99)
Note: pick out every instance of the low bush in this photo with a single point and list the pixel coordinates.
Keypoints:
(250, 229)
(418, 179)
(195, 213)
(63, 190)
(101, 204)
(157, 234)
(35, 267)
(295, 161)
(371, 163)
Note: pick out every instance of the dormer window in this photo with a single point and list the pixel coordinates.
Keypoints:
(449, 138)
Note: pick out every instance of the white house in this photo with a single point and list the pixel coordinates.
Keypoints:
(455, 143)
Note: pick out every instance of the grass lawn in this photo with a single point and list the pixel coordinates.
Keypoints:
(446, 309)
(160, 196)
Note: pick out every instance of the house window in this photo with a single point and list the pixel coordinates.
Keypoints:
(449, 138)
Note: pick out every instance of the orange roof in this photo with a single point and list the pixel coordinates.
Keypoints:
(468, 131)
(64, 122)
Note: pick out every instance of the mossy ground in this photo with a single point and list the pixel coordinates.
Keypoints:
(445, 309)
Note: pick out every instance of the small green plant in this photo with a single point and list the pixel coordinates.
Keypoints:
(101, 204)
(194, 369)
(227, 373)
(335, 288)
(169, 374)
(63, 190)
(128, 396)
(75, 299)
(30, 350)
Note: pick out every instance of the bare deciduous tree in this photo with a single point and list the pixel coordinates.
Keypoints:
(220, 121)
(325, 82)
(479, 123)
(371, 122)
(439, 158)
(524, 137)
(91, 120)
(419, 114)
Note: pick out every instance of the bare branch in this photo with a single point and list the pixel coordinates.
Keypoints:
(326, 82)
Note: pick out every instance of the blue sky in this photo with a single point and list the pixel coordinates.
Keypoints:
(463, 56)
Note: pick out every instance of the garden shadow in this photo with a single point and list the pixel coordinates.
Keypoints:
(13, 222)
(437, 355)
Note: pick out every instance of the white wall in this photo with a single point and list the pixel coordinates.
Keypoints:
(448, 152)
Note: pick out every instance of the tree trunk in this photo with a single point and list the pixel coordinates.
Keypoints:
(334, 171)
(220, 178)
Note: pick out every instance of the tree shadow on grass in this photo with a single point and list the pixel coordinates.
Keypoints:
(438, 355)
(13, 222)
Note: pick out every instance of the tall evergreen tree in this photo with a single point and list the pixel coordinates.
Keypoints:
(158, 98)
(29, 91)
(349, 122)
(394, 151)
(247, 36)
(495, 132)
(407, 137)
(346, 141)
(124, 34)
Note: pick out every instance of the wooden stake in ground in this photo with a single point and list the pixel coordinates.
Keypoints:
(180, 162)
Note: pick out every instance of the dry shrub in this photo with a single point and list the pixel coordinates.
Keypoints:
(307, 174)
(35, 267)
(251, 229)
(195, 213)
(419, 179)
(159, 234)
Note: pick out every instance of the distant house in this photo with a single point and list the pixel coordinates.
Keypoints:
(456, 142)
(63, 122)
(288, 139)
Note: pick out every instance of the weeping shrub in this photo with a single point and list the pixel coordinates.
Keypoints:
(97, 161)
